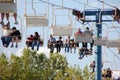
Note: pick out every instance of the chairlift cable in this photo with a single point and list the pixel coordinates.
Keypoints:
(55, 5)
(85, 4)
(115, 54)
(113, 27)
(107, 4)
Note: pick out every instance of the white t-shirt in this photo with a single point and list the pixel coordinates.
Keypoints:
(6, 32)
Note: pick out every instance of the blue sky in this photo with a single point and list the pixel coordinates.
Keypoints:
(110, 59)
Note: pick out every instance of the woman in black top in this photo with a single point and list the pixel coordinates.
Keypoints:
(36, 41)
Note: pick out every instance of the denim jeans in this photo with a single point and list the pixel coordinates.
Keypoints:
(35, 43)
(67, 46)
(6, 40)
(52, 46)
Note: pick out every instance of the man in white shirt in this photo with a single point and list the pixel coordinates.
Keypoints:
(6, 38)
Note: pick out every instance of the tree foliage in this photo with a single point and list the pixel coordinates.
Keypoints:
(34, 66)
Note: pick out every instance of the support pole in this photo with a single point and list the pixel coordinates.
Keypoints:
(99, 48)
(99, 13)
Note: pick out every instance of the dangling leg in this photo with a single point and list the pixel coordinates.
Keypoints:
(3, 40)
(51, 48)
(91, 47)
(74, 47)
(57, 47)
(85, 45)
(81, 53)
(65, 47)
(7, 16)
(2, 18)
(12, 42)
(71, 47)
(38, 45)
(16, 42)
(9, 39)
(15, 17)
(33, 44)
(68, 47)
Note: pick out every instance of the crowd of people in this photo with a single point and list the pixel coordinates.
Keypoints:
(69, 43)
(13, 35)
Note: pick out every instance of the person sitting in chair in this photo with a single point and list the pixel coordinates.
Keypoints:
(87, 31)
(36, 41)
(51, 43)
(16, 36)
(6, 38)
(59, 44)
(29, 41)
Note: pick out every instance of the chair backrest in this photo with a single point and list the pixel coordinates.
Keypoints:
(61, 30)
(8, 8)
(83, 38)
(6, 1)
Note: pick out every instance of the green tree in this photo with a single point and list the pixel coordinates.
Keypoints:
(36, 66)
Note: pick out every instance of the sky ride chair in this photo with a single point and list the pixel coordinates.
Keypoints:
(83, 38)
(7, 8)
(30, 40)
(115, 41)
(61, 22)
(36, 19)
(14, 35)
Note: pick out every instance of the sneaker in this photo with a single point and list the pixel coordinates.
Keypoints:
(11, 46)
(16, 22)
(2, 23)
(8, 24)
(5, 45)
(16, 46)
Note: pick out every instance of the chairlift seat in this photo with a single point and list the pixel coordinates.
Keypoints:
(29, 43)
(100, 42)
(61, 30)
(36, 21)
(113, 43)
(83, 38)
(19, 40)
(41, 42)
(8, 8)
(6, 1)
